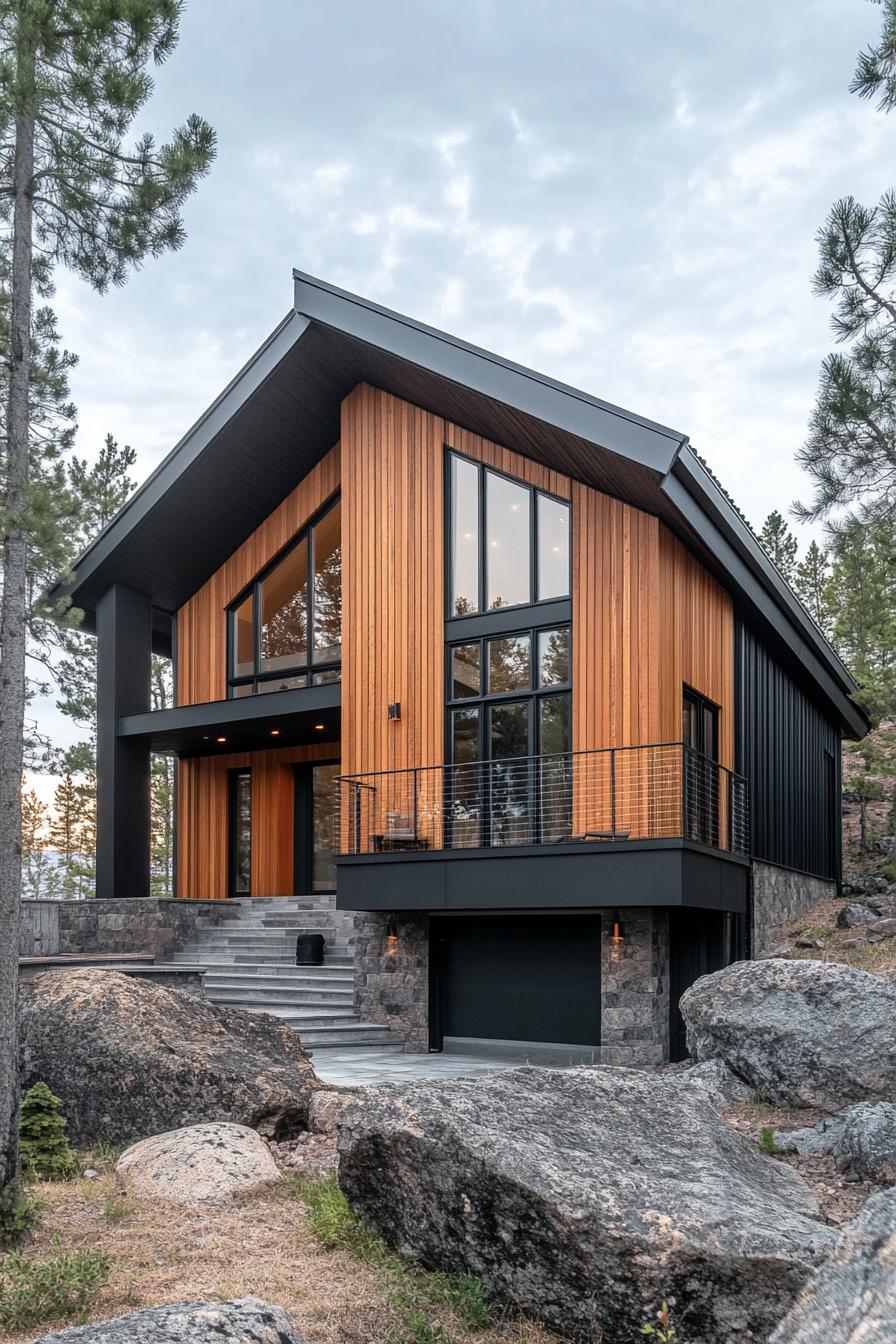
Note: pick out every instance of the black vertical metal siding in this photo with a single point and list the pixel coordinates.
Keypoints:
(782, 737)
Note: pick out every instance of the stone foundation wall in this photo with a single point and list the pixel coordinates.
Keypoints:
(778, 895)
(392, 975)
(50, 928)
(634, 976)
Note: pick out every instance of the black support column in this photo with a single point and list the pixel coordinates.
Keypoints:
(124, 634)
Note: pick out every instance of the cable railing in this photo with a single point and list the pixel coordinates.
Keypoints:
(660, 791)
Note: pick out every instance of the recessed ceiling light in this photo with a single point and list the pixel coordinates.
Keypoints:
(220, 739)
(275, 732)
(320, 727)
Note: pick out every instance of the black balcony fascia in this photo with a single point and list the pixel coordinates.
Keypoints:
(667, 872)
(279, 719)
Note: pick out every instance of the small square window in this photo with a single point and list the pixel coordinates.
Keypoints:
(466, 679)
(509, 664)
(553, 657)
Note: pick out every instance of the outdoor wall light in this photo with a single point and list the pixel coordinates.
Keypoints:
(391, 936)
(617, 932)
(395, 709)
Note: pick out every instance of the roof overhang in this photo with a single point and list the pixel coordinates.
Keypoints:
(281, 414)
(280, 719)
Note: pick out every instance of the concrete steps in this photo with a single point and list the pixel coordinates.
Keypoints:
(249, 961)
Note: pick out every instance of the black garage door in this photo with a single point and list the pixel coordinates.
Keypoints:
(517, 978)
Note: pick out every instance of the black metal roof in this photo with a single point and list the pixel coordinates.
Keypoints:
(280, 415)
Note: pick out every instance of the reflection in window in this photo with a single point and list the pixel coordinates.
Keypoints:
(508, 664)
(327, 542)
(496, 567)
(507, 530)
(553, 548)
(465, 679)
(240, 833)
(284, 612)
(464, 798)
(553, 657)
(291, 617)
(464, 536)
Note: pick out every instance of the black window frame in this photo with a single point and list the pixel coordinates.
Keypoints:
(486, 698)
(483, 610)
(310, 668)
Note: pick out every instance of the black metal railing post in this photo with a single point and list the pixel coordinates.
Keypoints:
(613, 792)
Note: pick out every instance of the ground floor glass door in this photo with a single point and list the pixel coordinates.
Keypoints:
(315, 870)
(239, 826)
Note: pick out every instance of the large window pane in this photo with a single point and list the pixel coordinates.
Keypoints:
(508, 525)
(323, 876)
(554, 711)
(553, 548)
(508, 664)
(465, 675)
(554, 780)
(510, 774)
(284, 612)
(464, 536)
(553, 657)
(463, 793)
(242, 637)
(326, 543)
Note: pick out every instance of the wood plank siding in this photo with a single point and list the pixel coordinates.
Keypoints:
(646, 619)
(201, 624)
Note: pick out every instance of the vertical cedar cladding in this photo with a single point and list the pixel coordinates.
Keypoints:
(393, 612)
(202, 819)
(783, 739)
(646, 616)
(201, 622)
(647, 620)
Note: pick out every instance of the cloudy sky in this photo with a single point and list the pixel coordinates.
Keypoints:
(624, 196)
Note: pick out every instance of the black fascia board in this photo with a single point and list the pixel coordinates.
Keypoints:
(755, 593)
(556, 404)
(250, 716)
(237, 392)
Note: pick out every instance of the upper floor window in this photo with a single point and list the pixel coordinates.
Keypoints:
(509, 543)
(286, 631)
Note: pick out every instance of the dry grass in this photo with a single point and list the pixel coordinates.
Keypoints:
(820, 924)
(260, 1246)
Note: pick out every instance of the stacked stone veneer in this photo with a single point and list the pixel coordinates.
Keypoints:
(136, 924)
(778, 895)
(392, 975)
(392, 982)
(634, 988)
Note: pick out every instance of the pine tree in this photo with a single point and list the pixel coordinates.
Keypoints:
(43, 1143)
(811, 582)
(38, 874)
(780, 543)
(161, 785)
(876, 69)
(73, 74)
(862, 596)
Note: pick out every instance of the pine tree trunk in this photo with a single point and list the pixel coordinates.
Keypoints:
(13, 629)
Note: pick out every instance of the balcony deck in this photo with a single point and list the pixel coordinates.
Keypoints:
(647, 825)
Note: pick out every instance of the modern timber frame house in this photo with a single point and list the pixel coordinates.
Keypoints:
(498, 661)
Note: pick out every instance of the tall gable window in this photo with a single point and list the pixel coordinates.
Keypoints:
(509, 543)
(286, 631)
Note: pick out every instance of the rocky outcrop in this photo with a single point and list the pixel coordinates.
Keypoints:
(129, 1059)
(582, 1195)
(202, 1164)
(246, 1320)
(863, 1138)
(854, 915)
(722, 1087)
(804, 1033)
(852, 1297)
